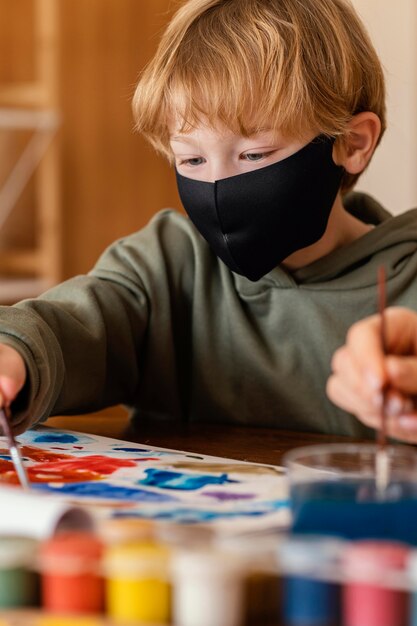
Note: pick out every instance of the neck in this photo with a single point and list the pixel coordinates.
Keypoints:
(342, 229)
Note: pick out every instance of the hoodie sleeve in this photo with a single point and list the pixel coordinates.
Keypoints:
(80, 342)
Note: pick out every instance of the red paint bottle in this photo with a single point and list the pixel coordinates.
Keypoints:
(70, 573)
(368, 598)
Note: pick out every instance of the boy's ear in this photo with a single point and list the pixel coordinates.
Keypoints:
(358, 144)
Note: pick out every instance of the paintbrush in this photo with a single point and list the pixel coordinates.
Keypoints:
(13, 447)
(382, 468)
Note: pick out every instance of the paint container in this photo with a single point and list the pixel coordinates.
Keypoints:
(138, 581)
(262, 582)
(122, 530)
(184, 535)
(70, 565)
(368, 597)
(47, 515)
(18, 580)
(333, 491)
(309, 596)
(412, 577)
(64, 620)
(208, 588)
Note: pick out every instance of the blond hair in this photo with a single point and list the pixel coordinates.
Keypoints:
(290, 65)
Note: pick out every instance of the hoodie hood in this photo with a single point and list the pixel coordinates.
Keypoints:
(392, 242)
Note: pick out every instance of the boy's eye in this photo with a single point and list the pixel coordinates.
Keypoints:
(254, 156)
(193, 161)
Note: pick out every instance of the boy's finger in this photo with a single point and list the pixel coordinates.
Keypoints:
(364, 342)
(366, 409)
(408, 423)
(9, 388)
(349, 371)
(404, 428)
(396, 403)
(402, 373)
(401, 331)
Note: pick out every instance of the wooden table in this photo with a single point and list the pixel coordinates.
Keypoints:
(259, 445)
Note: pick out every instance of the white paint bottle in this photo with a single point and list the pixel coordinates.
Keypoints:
(207, 588)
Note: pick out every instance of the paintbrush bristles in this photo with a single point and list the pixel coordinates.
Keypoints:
(13, 447)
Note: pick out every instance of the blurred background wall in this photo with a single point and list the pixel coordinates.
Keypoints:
(103, 181)
(392, 175)
(112, 181)
(86, 56)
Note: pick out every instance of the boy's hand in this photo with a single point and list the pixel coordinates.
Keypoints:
(12, 374)
(360, 371)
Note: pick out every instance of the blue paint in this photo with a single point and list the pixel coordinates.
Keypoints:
(310, 603)
(55, 437)
(49, 435)
(166, 479)
(189, 515)
(227, 496)
(143, 452)
(138, 450)
(353, 509)
(98, 489)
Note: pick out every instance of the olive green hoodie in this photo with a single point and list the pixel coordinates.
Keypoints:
(163, 326)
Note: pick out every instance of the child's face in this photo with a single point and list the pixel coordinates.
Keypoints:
(259, 199)
(211, 154)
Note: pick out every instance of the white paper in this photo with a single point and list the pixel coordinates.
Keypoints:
(37, 515)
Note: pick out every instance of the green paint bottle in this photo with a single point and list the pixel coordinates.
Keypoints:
(18, 579)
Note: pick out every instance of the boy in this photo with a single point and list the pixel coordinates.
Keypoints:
(270, 110)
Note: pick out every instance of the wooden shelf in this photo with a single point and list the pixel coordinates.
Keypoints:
(14, 289)
(24, 95)
(31, 105)
(21, 262)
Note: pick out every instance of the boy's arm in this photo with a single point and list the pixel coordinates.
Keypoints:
(360, 372)
(85, 342)
(80, 343)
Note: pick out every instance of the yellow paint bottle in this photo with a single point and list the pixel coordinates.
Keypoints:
(138, 581)
(124, 530)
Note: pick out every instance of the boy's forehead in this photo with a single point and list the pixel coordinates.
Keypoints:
(219, 131)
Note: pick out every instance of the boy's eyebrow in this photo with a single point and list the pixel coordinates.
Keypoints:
(251, 133)
(183, 139)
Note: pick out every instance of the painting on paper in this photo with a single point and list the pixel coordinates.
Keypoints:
(117, 478)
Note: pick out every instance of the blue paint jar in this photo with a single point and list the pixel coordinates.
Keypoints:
(333, 491)
(309, 598)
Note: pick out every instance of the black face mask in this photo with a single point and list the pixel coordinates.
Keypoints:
(255, 220)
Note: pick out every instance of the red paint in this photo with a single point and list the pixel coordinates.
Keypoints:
(70, 573)
(42, 456)
(63, 467)
(78, 447)
(37, 454)
(76, 469)
(367, 603)
(8, 473)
